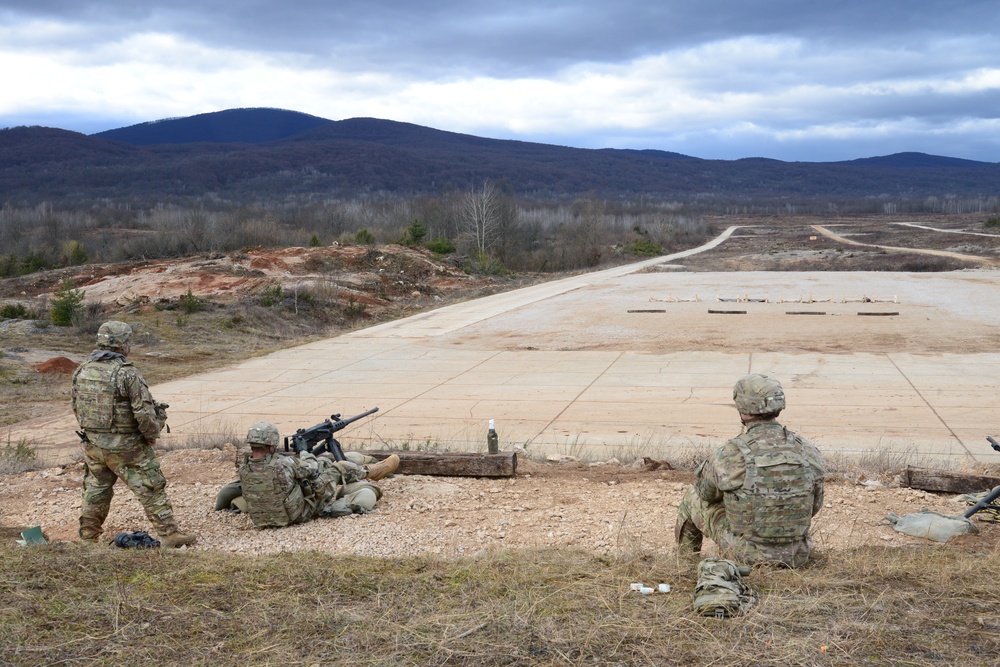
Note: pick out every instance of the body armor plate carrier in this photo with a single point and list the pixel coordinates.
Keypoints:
(272, 499)
(775, 504)
(99, 408)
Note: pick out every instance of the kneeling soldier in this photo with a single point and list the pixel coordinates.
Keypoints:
(756, 495)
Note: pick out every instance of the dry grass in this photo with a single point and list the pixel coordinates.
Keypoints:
(18, 457)
(75, 605)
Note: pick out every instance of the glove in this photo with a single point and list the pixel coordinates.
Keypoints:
(161, 414)
(300, 445)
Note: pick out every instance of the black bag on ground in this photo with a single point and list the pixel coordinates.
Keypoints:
(140, 539)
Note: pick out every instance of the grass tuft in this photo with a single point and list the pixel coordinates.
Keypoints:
(18, 457)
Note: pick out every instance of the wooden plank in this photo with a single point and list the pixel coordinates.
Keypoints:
(452, 464)
(929, 479)
(726, 312)
(805, 312)
(888, 314)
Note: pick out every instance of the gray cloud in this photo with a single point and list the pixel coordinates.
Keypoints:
(518, 36)
(777, 77)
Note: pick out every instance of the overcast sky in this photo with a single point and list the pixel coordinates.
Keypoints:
(788, 79)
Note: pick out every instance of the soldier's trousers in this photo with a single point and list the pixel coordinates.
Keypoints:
(697, 518)
(140, 470)
(344, 489)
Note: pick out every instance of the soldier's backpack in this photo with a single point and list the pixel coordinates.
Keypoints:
(721, 591)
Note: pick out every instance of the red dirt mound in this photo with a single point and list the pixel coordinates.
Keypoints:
(56, 365)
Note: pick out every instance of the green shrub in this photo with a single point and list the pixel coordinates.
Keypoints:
(643, 248)
(65, 304)
(9, 266)
(74, 254)
(314, 241)
(414, 234)
(482, 263)
(993, 222)
(441, 246)
(15, 311)
(364, 237)
(271, 295)
(34, 261)
(189, 303)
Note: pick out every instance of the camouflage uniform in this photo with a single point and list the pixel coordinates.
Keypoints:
(756, 495)
(115, 410)
(282, 490)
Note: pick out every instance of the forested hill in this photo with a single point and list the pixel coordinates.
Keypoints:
(251, 126)
(256, 154)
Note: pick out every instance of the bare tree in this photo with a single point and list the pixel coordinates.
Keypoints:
(489, 216)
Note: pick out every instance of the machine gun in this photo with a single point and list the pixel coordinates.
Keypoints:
(987, 501)
(319, 438)
(940, 527)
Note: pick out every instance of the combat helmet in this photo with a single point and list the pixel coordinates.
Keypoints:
(758, 394)
(114, 334)
(263, 433)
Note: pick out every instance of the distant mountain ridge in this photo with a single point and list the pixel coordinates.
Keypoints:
(251, 126)
(253, 154)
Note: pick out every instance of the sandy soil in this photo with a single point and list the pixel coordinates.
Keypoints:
(600, 507)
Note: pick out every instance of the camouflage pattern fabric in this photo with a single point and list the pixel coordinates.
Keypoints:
(721, 591)
(272, 490)
(771, 525)
(113, 406)
(139, 469)
(990, 513)
(110, 396)
(327, 488)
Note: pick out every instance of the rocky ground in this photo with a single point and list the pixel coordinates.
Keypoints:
(606, 508)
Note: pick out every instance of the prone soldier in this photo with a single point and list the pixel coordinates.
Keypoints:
(279, 490)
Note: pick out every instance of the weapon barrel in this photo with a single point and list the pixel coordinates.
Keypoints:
(337, 425)
(984, 503)
(993, 443)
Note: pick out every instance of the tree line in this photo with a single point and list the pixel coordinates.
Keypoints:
(487, 228)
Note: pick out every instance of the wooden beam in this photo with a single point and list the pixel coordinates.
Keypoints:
(452, 464)
(945, 480)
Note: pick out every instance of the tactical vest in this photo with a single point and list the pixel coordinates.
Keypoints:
(99, 407)
(775, 504)
(272, 499)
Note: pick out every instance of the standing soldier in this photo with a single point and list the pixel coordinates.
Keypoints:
(756, 495)
(120, 423)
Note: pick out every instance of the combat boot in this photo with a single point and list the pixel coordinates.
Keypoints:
(89, 535)
(176, 539)
(387, 466)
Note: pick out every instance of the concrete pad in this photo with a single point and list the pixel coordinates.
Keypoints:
(563, 368)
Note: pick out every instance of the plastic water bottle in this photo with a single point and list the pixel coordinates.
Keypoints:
(492, 441)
